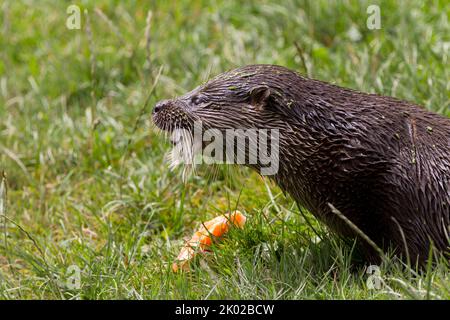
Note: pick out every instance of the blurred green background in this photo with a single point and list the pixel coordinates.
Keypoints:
(88, 185)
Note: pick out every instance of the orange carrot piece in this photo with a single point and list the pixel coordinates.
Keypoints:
(201, 239)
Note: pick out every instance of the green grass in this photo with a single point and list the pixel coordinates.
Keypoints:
(87, 181)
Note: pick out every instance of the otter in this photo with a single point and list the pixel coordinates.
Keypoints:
(382, 162)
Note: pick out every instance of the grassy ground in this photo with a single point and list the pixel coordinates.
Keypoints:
(87, 182)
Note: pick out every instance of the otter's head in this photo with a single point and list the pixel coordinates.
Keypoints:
(243, 98)
(252, 97)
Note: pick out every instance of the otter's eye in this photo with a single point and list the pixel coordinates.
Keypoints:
(196, 100)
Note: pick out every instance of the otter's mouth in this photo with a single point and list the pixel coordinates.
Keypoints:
(178, 127)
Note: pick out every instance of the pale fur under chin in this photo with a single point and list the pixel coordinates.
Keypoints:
(183, 153)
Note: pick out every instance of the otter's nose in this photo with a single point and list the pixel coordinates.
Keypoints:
(160, 105)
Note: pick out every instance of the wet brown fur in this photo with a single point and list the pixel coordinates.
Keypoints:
(383, 162)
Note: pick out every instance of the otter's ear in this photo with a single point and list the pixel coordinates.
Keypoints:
(259, 96)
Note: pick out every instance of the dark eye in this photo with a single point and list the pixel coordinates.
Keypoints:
(196, 100)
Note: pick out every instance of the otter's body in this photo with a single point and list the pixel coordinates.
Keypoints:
(384, 163)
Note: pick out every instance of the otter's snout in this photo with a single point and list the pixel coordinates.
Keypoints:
(170, 114)
(161, 105)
